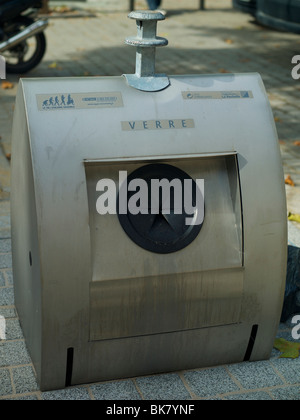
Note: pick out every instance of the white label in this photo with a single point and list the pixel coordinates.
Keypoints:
(2, 67)
(64, 101)
(228, 94)
(175, 124)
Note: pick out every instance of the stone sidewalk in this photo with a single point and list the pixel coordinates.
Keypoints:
(214, 41)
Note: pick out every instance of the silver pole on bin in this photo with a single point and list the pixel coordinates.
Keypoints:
(146, 42)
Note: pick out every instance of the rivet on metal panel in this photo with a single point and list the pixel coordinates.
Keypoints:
(146, 42)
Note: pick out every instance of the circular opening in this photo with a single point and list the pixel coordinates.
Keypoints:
(164, 211)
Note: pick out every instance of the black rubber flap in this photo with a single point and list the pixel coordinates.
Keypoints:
(159, 207)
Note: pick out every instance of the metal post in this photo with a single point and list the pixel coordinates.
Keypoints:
(202, 4)
(146, 42)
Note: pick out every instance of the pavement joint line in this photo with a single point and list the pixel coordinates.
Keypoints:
(237, 382)
(137, 388)
(181, 375)
(280, 375)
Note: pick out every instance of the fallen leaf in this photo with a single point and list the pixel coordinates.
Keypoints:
(229, 41)
(223, 71)
(277, 119)
(297, 143)
(7, 85)
(288, 349)
(61, 9)
(294, 217)
(289, 181)
(54, 66)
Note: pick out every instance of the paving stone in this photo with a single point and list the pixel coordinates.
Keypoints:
(5, 260)
(2, 279)
(286, 393)
(6, 296)
(163, 387)
(78, 394)
(13, 329)
(210, 382)
(289, 369)
(5, 383)
(250, 396)
(24, 380)
(120, 390)
(13, 353)
(255, 375)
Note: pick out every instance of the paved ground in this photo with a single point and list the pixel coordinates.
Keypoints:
(217, 40)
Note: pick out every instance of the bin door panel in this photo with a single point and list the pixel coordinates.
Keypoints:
(134, 291)
(135, 307)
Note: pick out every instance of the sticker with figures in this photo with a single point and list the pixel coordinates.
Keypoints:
(64, 101)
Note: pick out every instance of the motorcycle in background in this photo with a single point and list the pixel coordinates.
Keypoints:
(22, 38)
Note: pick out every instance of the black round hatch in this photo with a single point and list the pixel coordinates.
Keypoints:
(164, 208)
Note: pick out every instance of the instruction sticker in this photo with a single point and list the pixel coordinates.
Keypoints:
(228, 94)
(63, 101)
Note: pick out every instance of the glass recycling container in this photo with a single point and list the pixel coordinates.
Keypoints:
(108, 283)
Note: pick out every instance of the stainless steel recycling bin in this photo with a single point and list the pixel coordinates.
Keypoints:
(106, 296)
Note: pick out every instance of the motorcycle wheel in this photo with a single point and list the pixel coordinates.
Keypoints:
(29, 53)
